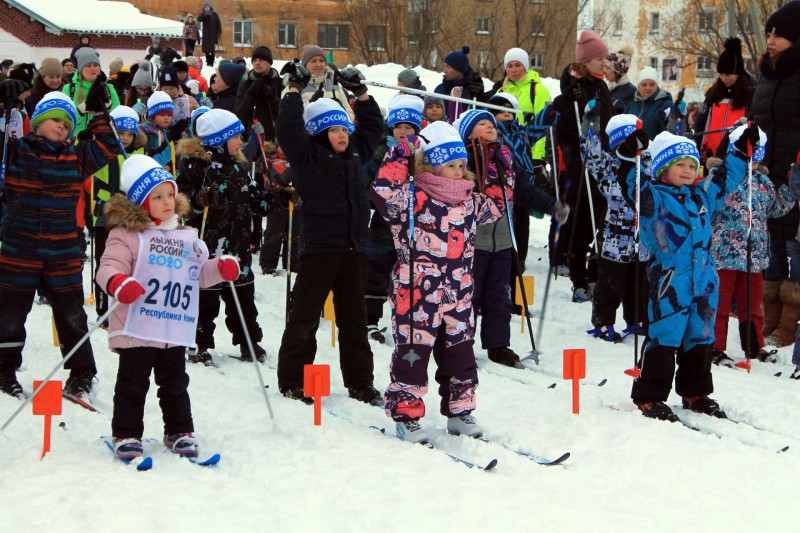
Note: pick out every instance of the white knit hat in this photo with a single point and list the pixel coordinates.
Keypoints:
(517, 54)
(55, 105)
(125, 119)
(159, 101)
(510, 98)
(619, 127)
(667, 148)
(405, 108)
(442, 144)
(469, 118)
(647, 73)
(140, 175)
(216, 126)
(760, 150)
(326, 113)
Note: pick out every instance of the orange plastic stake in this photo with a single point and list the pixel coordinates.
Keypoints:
(47, 403)
(316, 384)
(575, 369)
(328, 313)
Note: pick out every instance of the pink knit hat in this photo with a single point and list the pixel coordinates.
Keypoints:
(589, 46)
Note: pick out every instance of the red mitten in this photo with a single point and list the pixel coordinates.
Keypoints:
(125, 289)
(228, 267)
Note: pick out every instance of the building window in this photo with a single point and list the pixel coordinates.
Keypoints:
(332, 36)
(705, 67)
(537, 60)
(483, 26)
(287, 35)
(654, 62)
(537, 23)
(705, 21)
(483, 59)
(618, 23)
(242, 33)
(654, 22)
(376, 38)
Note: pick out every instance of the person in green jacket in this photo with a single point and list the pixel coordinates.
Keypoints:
(88, 71)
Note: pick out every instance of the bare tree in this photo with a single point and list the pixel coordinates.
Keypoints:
(376, 32)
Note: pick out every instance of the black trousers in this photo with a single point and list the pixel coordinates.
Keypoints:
(274, 245)
(344, 274)
(100, 235)
(693, 377)
(133, 381)
(616, 283)
(209, 311)
(210, 56)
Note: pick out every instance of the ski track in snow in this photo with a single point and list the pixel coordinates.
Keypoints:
(626, 473)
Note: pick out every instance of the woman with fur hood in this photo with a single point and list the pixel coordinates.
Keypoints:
(224, 198)
(148, 248)
(323, 82)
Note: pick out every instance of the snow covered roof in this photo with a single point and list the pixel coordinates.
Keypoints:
(96, 16)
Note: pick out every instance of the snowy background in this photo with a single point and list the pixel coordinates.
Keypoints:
(626, 473)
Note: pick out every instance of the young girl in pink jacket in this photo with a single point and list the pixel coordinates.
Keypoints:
(154, 267)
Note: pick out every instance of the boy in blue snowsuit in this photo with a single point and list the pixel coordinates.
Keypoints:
(675, 226)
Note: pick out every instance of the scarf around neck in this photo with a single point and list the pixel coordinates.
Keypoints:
(172, 223)
(445, 190)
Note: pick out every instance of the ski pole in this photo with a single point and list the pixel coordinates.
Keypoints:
(250, 347)
(746, 363)
(113, 127)
(635, 371)
(6, 135)
(555, 162)
(589, 183)
(289, 263)
(412, 245)
(706, 132)
(60, 364)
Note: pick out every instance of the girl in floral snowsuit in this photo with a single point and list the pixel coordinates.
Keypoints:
(447, 213)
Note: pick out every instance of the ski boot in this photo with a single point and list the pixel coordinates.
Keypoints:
(79, 382)
(766, 356)
(182, 444)
(296, 393)
(704, 405)
(376, 334)
(411, 431)
(720, 358)
(367, 394)
(504, 356)
(10, 385)
(606, 333)
(580, 295)
(258, 351)
(796, 373)
(464, 425)
(128, 449)
(199, 355)
(658, 411)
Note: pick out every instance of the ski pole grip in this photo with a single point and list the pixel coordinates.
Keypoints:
(639, 125)
(749, 144)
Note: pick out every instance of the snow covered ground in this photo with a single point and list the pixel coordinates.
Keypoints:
(626, 473)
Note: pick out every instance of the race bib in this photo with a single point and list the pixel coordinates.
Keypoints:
(168, 267)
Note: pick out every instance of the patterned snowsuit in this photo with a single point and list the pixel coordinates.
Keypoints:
(443, 317)
(675, 227)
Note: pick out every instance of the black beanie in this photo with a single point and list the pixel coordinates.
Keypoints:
(181, 66)
(785, 22)
(263, 52)
(730, 60)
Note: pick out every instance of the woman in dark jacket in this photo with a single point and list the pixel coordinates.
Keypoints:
(212, 31)
(327, 173)
(776, 110)
(581, 82)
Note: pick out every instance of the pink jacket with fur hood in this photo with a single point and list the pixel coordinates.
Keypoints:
(125, 221)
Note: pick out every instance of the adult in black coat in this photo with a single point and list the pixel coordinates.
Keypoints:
(335, 217)
(84, 41)
(259, 95)
(461, 81)
(212, 31)
(776, 110)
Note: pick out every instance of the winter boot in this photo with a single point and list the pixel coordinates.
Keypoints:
(464, 425)
(79, 382)
(796, 373)
(367, 394)
(766, 356)
(199, 355)
(411, 431)
(182, 443)
(580, 295)
(704, 405)
(9, 384)
(790, 314)
(772, 306)
(720, 358)
(376, 334)
(296, 393)
(128, 449)
(504, 356)
(259, 352)
(606, 333)
(658, 411)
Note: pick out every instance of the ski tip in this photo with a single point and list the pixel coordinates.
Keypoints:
(553, 386)
(602, 382)
(784, 449)
(490, 465)
(558, 461)
(211, 461)
(778, 374)
(145, 464)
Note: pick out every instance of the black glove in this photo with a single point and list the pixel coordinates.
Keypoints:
(177, 129)
(295, 75)
(11, 90)
(750, 137)
(286, 195)
(475, 87)
(350, 78)
(256, 87)
(206, 197)
(633, 144)
(86, 135)
(98, 98)
(575, 92)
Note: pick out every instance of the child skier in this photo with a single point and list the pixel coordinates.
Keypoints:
(675, 227)
(434, 109)
(43, 180)
(162, 133)
(147, 247)
(494, 253)
(106, 183)
(216, 179)
(617, 266)
(274, 247)
(434, 313)
(729, 249)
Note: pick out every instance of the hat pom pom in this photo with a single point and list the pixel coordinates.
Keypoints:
(465, 49)
(734, 45)
(145, 65)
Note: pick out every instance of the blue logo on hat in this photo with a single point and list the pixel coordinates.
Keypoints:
(329, 119)
(618, 135)
(442, 154)
(127, 124)
(145, 183)
(676, 151)
(404, 114)
(220, 137)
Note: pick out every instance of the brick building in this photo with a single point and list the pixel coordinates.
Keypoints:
(31, 30)
(410, 32)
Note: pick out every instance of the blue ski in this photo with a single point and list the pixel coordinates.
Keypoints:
(141, 463)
